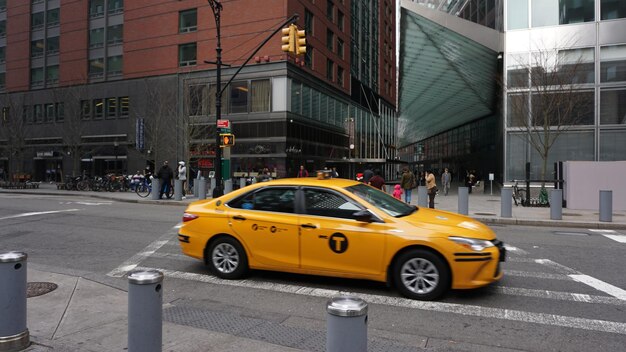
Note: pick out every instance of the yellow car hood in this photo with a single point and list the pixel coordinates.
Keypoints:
(445, 224)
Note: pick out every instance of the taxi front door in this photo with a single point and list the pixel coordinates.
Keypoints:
(334, 242)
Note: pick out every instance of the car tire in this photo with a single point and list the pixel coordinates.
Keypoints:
(421, 274)
(227, 258)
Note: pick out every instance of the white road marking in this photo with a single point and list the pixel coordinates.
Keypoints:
(602, 231)
(536, 275)
(559, 296)
(600, 285)
(559, 267)
(37, 213)
(150, 250)
(462, 309)
(515, 249)
(618, 238)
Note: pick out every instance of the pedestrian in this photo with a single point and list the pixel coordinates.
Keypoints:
(182, 175)
(367, 174)
(469, 181)
(397, 191)
(136, 180)
(407, 182)
(431, 186)
(264, 175)
(422, 179)
(445, 181)
(302, 172)
(165, 174)
(377, 181)
(334, 173)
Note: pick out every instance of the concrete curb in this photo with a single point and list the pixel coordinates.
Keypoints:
(98, 196)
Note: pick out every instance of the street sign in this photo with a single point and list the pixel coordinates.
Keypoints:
(223, 123)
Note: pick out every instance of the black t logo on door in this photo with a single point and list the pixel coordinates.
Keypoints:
(338, 242)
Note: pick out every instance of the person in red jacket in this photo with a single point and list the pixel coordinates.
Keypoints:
(302, 172)
(377, 181)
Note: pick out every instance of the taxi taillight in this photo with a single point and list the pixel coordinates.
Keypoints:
(189, 217)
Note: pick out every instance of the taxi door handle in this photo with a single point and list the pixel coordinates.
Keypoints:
(309, 226)
(239, 217)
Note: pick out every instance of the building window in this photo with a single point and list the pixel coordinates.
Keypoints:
(36, 20)
(308, 23)
(53, 17)
(50, 113)
(52, 74)
(613, 106)
(2, 80)
(612, 9)
(96, 38)
(98, 108)
(340, 20)
(329, 69)
(85, 109)
(260, 92)
(308, 56)
(115, 6)
(111, 107)
(188, 21)
(3, 5)
(52, 46)
(238, 97)
(115, 65)
(36, 77)
(197, 100)
(330, 9)
(576, 11)
(187, 54)
(613, 63)
(39, 113)
(544, 13)
(3, 29)
(60, 107)
(517, 14)
(124, 106)
(340, 76)
(96, 68)
(330, 38)
(340, 47)
(115, 34)
(96, 8)
(3, 54)
(577, 66)
(37, 48)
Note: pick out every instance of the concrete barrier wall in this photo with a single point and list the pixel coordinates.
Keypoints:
(585, 179)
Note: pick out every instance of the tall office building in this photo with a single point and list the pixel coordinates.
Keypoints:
(114, 86)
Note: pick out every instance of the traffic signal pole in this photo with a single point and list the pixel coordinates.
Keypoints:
(216, 7)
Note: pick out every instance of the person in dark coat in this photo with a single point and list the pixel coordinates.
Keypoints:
(165, 174)
(377, 181)
(367, 174)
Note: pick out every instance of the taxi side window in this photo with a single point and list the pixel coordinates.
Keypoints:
(324, 203)
(268, 199)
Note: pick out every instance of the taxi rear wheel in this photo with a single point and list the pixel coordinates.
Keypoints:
(422, 275)
(227, 258)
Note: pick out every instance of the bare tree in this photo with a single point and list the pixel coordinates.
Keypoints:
(546, 96)
(14, 130)
(160, 119)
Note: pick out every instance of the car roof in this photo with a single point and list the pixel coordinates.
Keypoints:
(313, 181)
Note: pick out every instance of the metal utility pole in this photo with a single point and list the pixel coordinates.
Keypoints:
(216, 7)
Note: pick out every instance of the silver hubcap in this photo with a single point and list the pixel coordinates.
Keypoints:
(419, 275)
(225, 258)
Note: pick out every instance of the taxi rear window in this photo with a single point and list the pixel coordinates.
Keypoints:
(277, 199)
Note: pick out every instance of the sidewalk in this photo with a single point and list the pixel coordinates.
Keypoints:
(482, 206)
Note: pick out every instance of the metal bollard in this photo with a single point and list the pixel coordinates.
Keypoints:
(228, 186)
(606, 206)
(178, 190)
(242, 182)
(156, 189)
(14, 335)
(556, 204)
(145, 310)
(196, 182)
(506, 202)
(422, 196)
(201, 188)
(464, 200)
(346, 324)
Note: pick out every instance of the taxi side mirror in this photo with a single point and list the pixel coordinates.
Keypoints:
(363, 215)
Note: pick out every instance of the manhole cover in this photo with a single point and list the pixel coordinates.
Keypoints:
(488, 214)
(34, 289)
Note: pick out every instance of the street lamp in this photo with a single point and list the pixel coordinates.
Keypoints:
(115, 146)
(216, 7)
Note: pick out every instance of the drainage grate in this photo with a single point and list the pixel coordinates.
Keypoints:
(34, 289)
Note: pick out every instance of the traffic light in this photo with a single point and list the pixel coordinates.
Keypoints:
(289, 39)
(300, 42)
(227, 140)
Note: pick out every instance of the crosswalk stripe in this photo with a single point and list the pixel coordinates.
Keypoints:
(600, 285)
(618, 238)
(536, 275)
(559, 296)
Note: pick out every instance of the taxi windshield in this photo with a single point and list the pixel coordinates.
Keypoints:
(382, 200)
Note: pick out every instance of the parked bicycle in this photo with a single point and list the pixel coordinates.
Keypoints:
(144, 188)
(519, 194)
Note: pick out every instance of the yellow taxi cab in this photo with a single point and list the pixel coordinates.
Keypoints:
(341, 228)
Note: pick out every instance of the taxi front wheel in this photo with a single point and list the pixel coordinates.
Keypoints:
(227, 258)
(422, 275)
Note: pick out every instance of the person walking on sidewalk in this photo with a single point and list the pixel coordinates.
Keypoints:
(407, 182)
(445, 181)
(165, 174)
(303, 172)
(182, 175)
(431, 186)
(397, 192)
(377, 181)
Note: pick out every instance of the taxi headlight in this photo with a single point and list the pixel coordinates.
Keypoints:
(471, 243)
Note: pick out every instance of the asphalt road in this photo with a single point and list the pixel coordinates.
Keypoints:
(563, 290)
